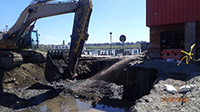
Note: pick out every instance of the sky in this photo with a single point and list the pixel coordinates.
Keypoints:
(121, 17)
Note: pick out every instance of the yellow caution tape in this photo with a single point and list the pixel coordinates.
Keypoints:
(188, 56)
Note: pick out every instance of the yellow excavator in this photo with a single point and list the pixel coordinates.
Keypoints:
(22, 36)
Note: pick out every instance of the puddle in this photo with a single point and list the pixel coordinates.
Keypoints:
(70, 104)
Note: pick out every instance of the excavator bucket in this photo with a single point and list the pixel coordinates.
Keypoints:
(56, 65)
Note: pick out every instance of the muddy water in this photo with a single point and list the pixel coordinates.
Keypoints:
(70, 104)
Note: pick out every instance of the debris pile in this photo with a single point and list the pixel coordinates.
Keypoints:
(160, 100)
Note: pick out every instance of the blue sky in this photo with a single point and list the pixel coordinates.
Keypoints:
(127, 17)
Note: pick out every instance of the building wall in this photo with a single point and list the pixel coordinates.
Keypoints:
(197, 40)
(169, 15)
(162, 12)
(154, 51)
(190, 35)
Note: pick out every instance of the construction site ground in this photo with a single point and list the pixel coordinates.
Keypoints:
(100, 85)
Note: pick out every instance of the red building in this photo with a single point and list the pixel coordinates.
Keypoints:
(174, 24)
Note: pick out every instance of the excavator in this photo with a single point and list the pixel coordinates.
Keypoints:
(15, 44)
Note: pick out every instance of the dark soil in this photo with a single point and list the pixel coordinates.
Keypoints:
(25, 87)
(170, 73)
(154, 103)
(115, 81)
(25, 75)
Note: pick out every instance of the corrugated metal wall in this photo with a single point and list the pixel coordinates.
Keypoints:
(162, 12)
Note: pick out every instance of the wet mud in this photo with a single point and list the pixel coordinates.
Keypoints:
(25, 89)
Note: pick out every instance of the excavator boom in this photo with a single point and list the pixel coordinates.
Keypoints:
(36, 11)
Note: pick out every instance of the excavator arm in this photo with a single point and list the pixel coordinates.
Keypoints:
(56, 67)
(79, 34)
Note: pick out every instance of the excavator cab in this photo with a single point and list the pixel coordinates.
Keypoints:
(30, 40)
(34, 39)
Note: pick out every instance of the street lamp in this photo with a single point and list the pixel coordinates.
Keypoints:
(111, 43)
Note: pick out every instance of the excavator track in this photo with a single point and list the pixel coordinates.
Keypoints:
(10, 59)
(56, 65)
(33, 56)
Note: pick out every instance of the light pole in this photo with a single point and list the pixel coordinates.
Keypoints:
(111, 43)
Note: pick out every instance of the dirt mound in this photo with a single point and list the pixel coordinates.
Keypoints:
(24, 75)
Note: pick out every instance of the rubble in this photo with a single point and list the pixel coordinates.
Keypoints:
(180, 102)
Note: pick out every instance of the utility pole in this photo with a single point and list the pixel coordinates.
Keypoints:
(111, 43)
